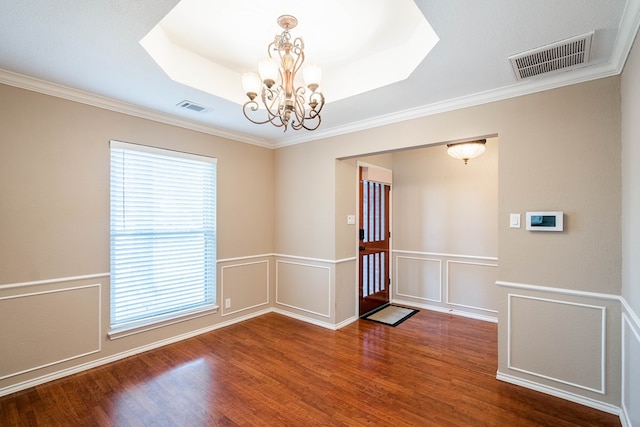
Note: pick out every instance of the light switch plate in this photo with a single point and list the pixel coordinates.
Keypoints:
(514, 220)
(351, 219)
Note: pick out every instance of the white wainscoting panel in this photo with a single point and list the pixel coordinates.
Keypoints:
(245, 284)
(630, 370)
(561, 341)
(419, 278)
(472, 285)
(303, 286)
(41, 329)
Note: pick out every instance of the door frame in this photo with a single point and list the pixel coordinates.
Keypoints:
(388, 181)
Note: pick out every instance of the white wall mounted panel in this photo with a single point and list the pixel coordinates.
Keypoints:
(41, 329)
(245, 285)
(565, 343)
(419, 278)
(305, 287)
(472, 285)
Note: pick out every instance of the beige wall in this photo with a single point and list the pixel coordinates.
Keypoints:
(631, 233)
(631, 178)
(559, 150)
(54, 173)
(54, 223)
(442, 205)
(445, 233)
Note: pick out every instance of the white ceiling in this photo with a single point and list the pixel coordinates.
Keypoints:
(372, 35)
(89, 51)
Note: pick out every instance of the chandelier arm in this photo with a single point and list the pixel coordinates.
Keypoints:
(298, 50)
(253, 106)
(316, 98)
(272, 100)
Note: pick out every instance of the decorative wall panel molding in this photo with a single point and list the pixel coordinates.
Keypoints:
(472, 285)
(42, 329)
(557, 340)
(305, 287)
(244, 285)
(419, 278)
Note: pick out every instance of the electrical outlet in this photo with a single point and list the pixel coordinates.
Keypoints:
(227, 303)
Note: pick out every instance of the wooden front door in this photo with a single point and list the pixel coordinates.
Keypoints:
(374, 245)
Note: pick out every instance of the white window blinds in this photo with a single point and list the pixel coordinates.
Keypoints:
(163, 234)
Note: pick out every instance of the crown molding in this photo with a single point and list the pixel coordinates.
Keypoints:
(626, 35)
(593, 72)
(628, 29)
(76, 95)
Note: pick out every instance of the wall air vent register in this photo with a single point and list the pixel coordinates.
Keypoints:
(563, 55)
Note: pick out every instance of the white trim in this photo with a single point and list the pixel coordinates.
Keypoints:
(627, 29)
(564, 291)
(572, 397)
(116, 144)
(224, 313)
(603, 340)
(439, 261)
(305, 319)
(119, 356)
(635, 330)
(340, 261)
(87, 98)
(274, 255)
(446, 285)
(632, 314)
(57, 280)
(243, 258)
(445, 255)
(99, 321)
(160, 321)
(586, 74)
(446, 310)
(328, 315)
(303, 258)
(346, 322)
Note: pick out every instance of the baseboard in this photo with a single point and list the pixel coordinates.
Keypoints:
(306, 319)
(439, 309)
(119, 356)
(346, 322)
(592, 403)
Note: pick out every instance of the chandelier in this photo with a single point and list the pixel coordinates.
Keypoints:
(285, 104)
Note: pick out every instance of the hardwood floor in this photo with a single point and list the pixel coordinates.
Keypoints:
(432, 370)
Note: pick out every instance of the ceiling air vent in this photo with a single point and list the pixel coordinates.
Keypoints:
(554, 57)
(191, 106)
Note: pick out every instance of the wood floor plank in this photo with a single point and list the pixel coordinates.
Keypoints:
(432, 370)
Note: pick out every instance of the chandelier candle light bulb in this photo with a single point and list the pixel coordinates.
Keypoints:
(285, 104)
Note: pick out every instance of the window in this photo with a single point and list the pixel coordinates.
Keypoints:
(163, 237)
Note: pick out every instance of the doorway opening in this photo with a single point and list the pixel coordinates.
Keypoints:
(373, 249)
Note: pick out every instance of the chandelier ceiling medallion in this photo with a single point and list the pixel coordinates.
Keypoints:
(285, 104)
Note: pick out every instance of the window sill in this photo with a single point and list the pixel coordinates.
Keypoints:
(159, 322)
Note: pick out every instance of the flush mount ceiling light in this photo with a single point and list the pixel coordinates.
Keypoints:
(466, 150)
(284, 103)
